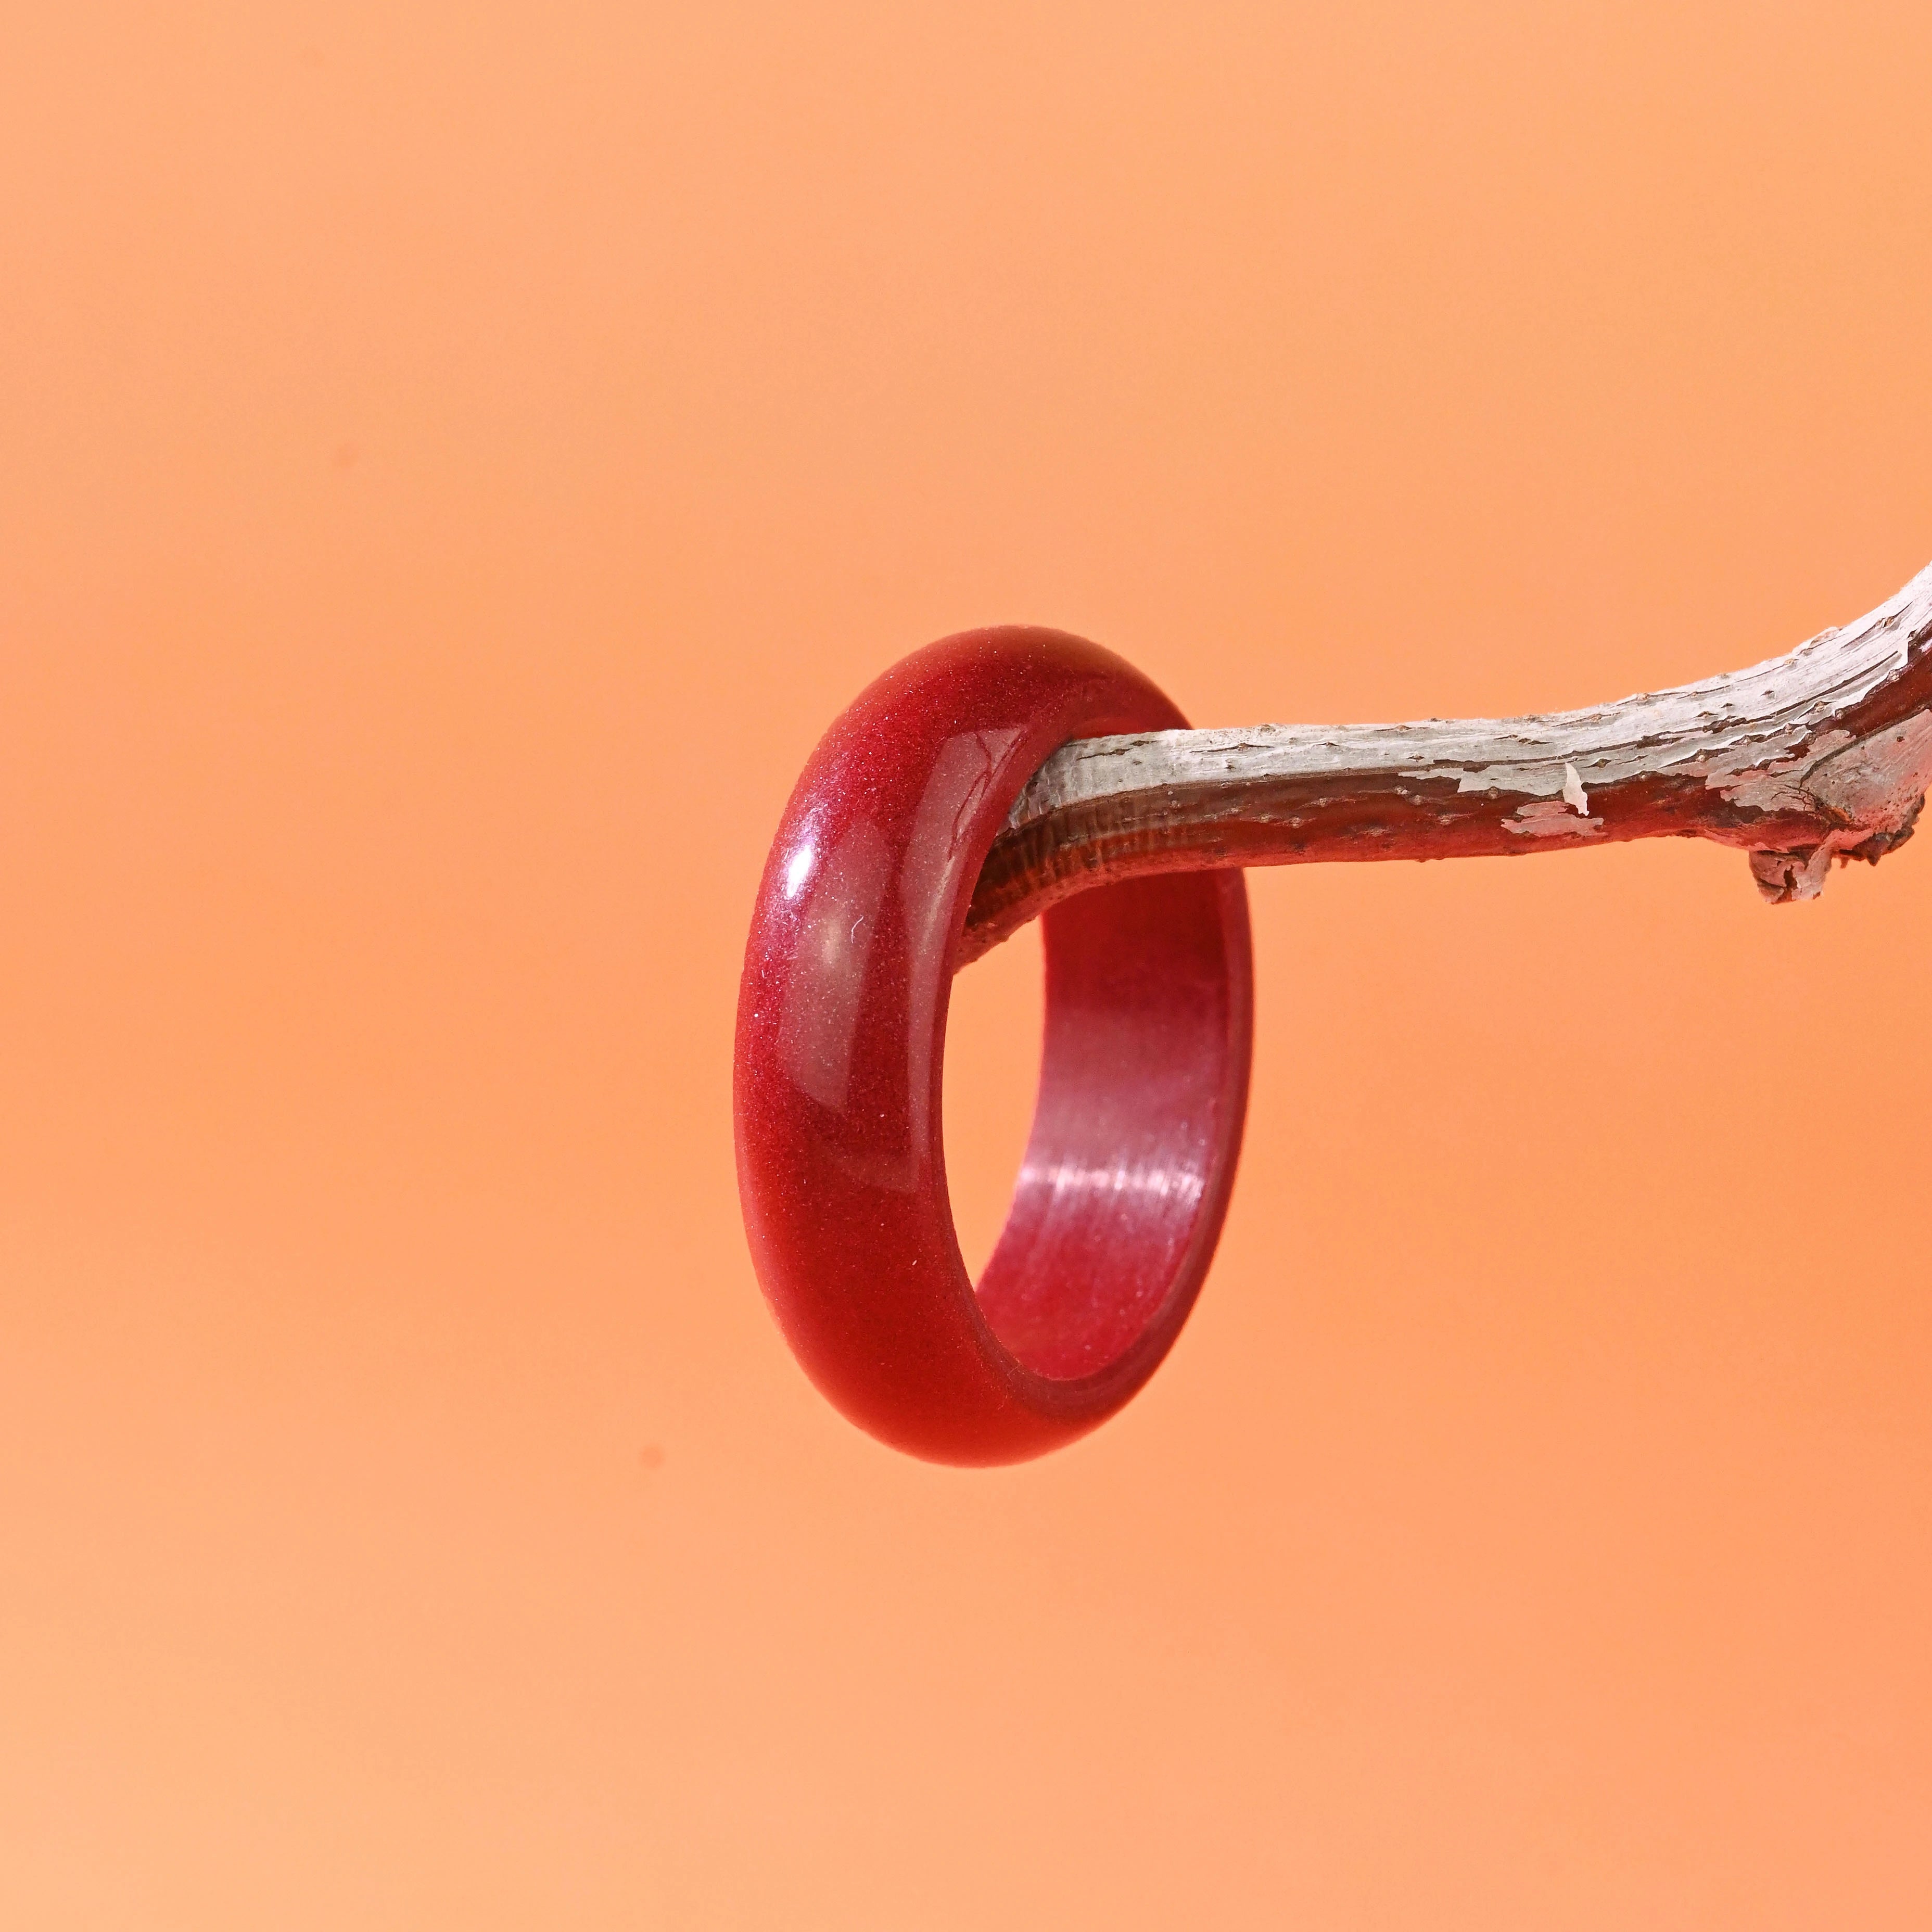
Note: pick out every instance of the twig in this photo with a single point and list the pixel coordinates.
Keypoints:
(1825, 753)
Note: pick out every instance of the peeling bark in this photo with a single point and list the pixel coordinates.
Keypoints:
(1824, 754)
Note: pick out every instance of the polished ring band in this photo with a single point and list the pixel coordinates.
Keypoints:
(841, 1028)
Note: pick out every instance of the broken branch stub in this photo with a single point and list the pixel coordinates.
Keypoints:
(1824, 754)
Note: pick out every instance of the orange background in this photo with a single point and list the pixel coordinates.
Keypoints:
(454, 462)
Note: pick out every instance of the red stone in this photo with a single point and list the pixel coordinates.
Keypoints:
(841, 1030)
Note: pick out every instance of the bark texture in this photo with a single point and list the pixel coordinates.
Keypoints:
(1825, 753)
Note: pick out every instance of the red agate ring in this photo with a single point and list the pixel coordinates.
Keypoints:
(841, 1053)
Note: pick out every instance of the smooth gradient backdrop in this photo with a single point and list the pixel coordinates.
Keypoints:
(455, 460)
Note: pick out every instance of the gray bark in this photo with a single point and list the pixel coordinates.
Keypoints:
(1823, 755)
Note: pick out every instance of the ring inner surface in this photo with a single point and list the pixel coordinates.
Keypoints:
(1134, 1073)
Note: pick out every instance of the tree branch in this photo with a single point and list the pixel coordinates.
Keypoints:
(1825, 753)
